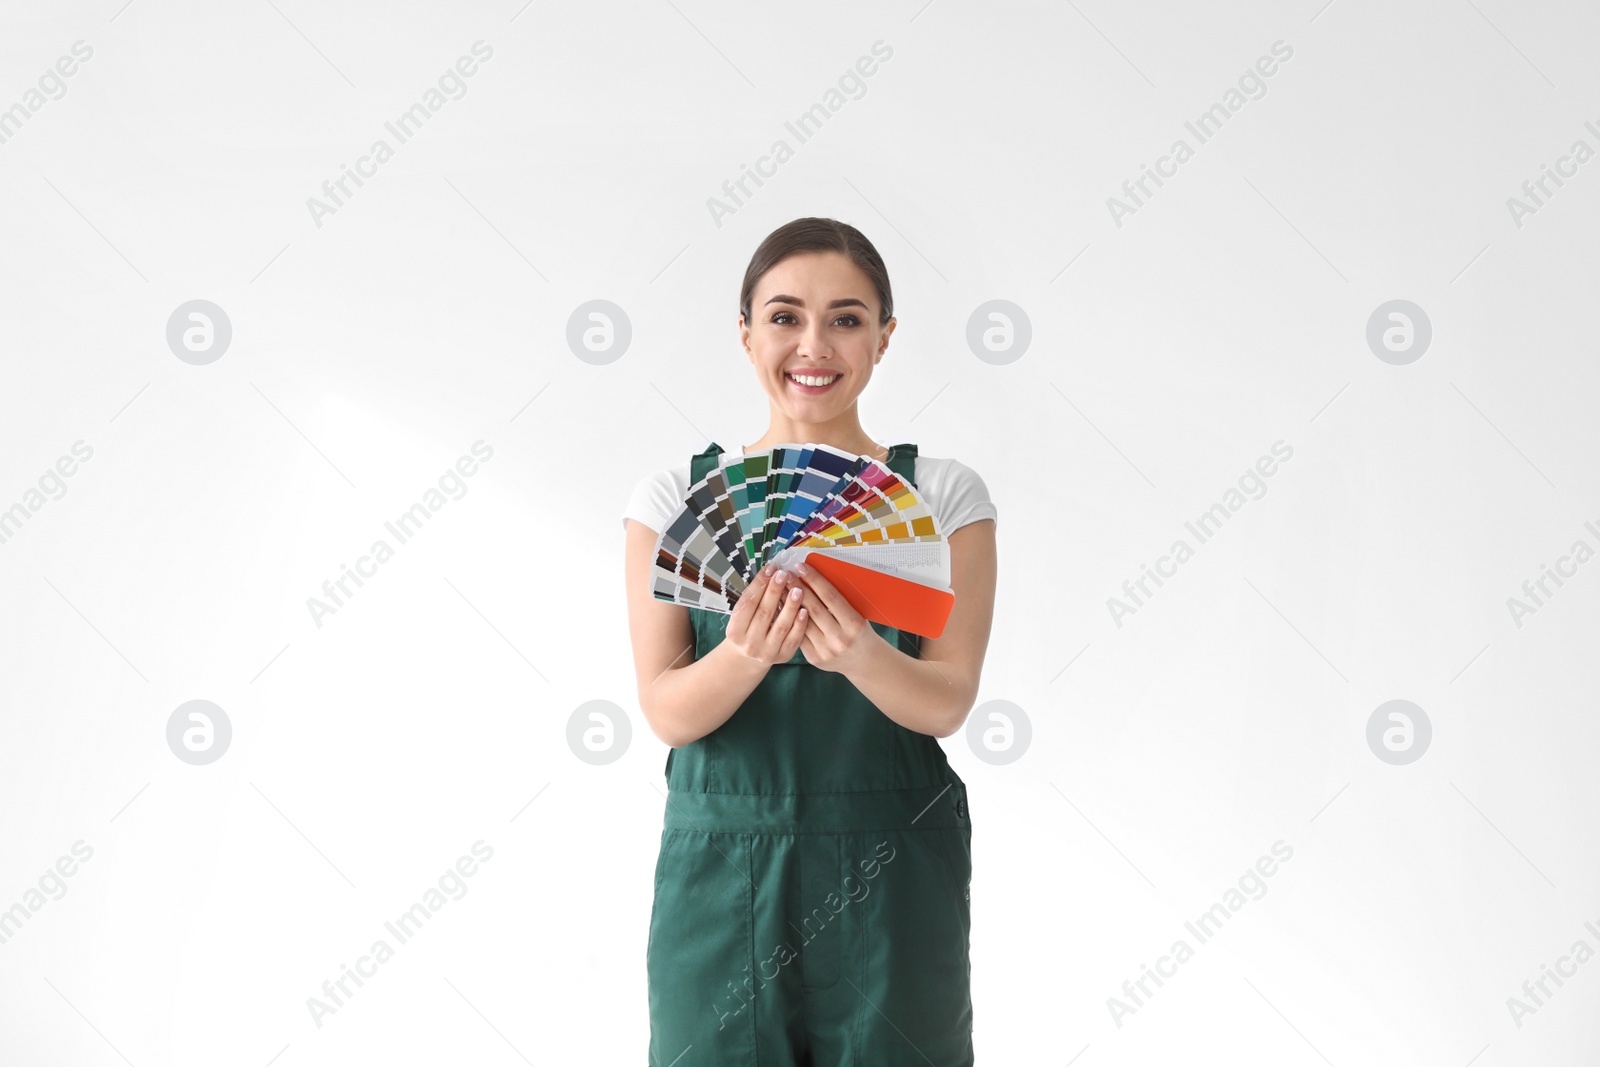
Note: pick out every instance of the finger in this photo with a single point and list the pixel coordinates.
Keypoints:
(823, 619)
(824, 589)
(808, 643)
(797, 633)
(771, 601)
(839, 607)
(752, 593)
(748, 600)
(779, 631)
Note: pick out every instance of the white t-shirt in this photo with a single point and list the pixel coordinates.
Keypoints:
(952, 489)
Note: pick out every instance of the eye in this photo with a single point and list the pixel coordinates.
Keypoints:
(786, 318)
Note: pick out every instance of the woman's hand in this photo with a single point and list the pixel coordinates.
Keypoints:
(838, 638)
(768, 623)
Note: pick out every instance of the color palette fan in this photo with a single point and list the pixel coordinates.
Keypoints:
(860, 525)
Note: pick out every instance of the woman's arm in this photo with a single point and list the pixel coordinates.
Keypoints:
(683, 698)
(933, 694)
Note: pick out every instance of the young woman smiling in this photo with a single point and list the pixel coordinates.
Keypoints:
(812, 887)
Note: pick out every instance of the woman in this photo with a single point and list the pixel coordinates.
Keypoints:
(811, 896)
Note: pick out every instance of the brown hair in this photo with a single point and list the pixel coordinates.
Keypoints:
(818, 235)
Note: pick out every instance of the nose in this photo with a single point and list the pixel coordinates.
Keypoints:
(814, 341)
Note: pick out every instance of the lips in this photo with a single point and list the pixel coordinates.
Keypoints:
(812, 390)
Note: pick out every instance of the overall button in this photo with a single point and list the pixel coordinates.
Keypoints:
(961, 807)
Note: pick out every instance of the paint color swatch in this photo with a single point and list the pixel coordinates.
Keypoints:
(788, 502)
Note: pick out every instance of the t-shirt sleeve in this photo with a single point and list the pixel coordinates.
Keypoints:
(654, 501)
(965, 498)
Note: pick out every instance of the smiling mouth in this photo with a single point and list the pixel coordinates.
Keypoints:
(812, 383)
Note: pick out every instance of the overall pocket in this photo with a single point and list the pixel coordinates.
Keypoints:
(699, 946)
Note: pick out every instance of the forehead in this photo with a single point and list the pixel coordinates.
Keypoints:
(815, 271)
(826, 274)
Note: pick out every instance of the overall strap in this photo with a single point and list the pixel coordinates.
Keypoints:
(902, 459)
(699, 466)
(702, 463)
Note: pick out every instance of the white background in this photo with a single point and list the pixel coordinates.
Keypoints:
(1168, 354)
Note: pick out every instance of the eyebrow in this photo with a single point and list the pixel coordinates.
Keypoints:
(849, 301)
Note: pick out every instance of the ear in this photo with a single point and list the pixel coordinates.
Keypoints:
(744, 339)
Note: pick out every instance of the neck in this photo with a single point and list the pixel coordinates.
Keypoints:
(842, 432)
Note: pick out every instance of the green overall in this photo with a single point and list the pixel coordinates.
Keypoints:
(812, 889)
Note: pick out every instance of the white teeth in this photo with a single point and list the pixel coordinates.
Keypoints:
(805, 379)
